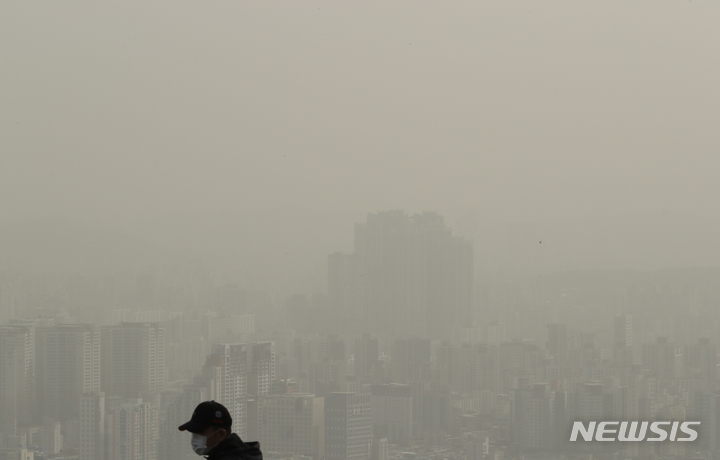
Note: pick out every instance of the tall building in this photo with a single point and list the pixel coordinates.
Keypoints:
(237, 372)
(623, 331)
(622, 341)
(133, 432)
(711, 422)
(68, 366)
(660, 358)
(328, 376)
(392, 412)
(700, 363)
(517, 361)
(51, 438)
(472, 368)
(133, 359)
(366, 353)
(557, 345)
(17, 374)
(431, 408)
(411, 356)
(348, 426)
(412, 277)
(534, 427)
(243, 325)
(227, 370)
(559, 425)
(530, 417)
(174, 443)
(262, 367)
(641, 398)
(292, 424)
(92, 426)
(590, 402)
(332, 347)
(380, 449)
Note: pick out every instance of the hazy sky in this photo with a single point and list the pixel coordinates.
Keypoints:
(116, 112)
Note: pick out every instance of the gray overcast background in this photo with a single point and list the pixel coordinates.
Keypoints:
(261, 131)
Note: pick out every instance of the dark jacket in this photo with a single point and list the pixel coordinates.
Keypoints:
(233, 448)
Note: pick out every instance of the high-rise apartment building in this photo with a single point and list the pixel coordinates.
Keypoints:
(711, 422)
(412, 355)
(348, 426)
(133, 361)
(17, 369)
(380, 449)
(392, 412)
(623, 331)
(292, 423)
(174, 443)
(236, 371)
(409, 275)
(530, 416)
(92, 426)
(332, 347)
(365, 352)
(590, 403)
(133, 432)
(699, 363)
(557, 345)
(559, 422)
(558, 351)
(262, 367)
(242, 325)
(661, 358)
(226, 370)
(68, 366)
(641, 399)
(51, 437)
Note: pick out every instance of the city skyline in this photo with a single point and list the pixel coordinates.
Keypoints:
(90, 366)
(370, 230)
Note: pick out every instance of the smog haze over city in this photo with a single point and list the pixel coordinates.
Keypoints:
(371, 230)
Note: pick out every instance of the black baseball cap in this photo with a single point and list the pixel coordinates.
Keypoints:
(207, 413)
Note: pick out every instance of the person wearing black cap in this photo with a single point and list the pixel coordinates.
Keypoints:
(212, 436)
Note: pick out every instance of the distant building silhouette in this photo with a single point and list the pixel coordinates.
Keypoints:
(348, 426)
(133, 361)
(235, 373)
(531, 416)
(173, 443)
(623, 331)
(226, 373)
(133, 431)
(17, 374)
(392, 412)
(92, 426)
(68, 366)
(292, 423)
(366, 353)
(408, 276)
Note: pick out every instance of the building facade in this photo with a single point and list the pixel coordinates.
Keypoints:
(348, 426)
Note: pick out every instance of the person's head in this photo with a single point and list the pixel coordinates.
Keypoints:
(210, 424)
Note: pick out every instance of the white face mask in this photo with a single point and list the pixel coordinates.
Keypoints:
(199, 443)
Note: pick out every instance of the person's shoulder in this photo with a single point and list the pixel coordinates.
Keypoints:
(233, 448)
(237, 456)
(229, 456)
